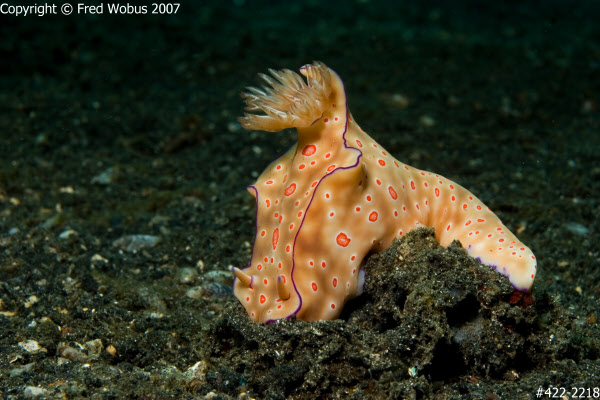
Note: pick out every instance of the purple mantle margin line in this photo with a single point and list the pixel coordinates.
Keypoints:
(307, 207)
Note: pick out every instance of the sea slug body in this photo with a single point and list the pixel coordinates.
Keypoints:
(336, 196)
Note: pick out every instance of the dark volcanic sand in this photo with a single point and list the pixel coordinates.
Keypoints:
(126, 125)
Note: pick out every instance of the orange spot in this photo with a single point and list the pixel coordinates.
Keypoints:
(309, 150)
(284, 179)
(425, 184)
(479, 207)
(327, 195)
(266, 259)
(501, 240)
(453, 198)
(269, 182)
(417, 207)
(314, 184)
(412, 185)
(312, 162)
(279, 265)
(291, 226)
(336, 118)
(332, 306)
(275, 238)
(290, 189)
(263, 233)
(299, 214)
(368, 198)
(382, 163)
(280, 218)
(448, 228)
(326, 120)
(396, 164)
(358, 143)
(352, 258)
(437, 192)
(287, 248)
(278, 167)
(393, 193)
(259, 267)
(373, 216)
(265, 281)
(262, 299)
(297, 203)
(468, 222)
(378, 181)
(357, 209)
(276, 215)
(480, 220)
(314, 286)
(311, 263)
(327, 155)
(331, 168)
(323, 264)
(268, 203)
(342, 239)
(331, 214)
(301, 166)
(406, 168)
(451, 187)
(247, 298)
(395, 213)
(334, 282)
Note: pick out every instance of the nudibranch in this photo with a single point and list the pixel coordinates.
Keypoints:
(338, 195)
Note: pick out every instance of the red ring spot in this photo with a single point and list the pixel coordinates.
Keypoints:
(331, 168)
(262, 299)
(412, 185)
(259, 267)
(275, 238)
(342, 239)
(479, 207)
(393, 193)
(309, 150)
(358, 143)
(290, 189)
(373, 216)
(437, 192)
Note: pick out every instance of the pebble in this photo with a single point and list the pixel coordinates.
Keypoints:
(135, 243)
(32, 392)
(32, 346)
